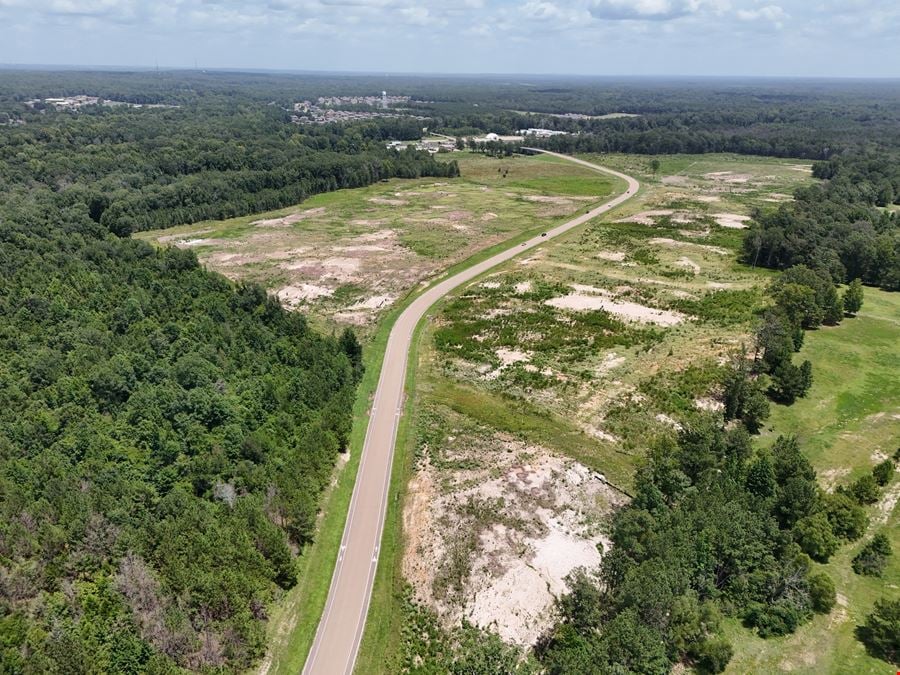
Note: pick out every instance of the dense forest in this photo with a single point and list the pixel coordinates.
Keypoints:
(139, 169)
(163, 440)
(841, 225)
(164, 435)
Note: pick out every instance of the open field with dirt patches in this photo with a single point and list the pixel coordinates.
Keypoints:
(345, 257)
(574, 357)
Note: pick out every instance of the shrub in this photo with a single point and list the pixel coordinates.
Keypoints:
(881, 632)
(821, 592)
(870, 561)
(865, 490)
(713, 655)
(813, 534)
(847, 518)
(883, 472)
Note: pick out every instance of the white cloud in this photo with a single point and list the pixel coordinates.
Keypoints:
(648, 10)
(772, 13)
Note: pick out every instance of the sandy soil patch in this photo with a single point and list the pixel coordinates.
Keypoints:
(490, 284)
(687, 263)
(340, 269)
(601, 435)
(388, 202)
(169, 238)
(367, 222)
(728, 177)
(708, 199)
(676, 180)
(510, 356)
(190, 243)
(733, 221)
(537, 517)
(547, 199)
(373, 303)
(831, 477)
(668, 421)
(359, 248)
(488, 216)
(380, 235)
(611, 256)
(522, 287)
(777, 197)
(886, 505)
(583, 300)
(295, 295)
(610, 362)
(709, 405)
(289, 219)
(455, 216)
(674, 243)
(649, 217)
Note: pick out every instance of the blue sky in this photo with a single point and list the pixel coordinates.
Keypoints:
(843, 38)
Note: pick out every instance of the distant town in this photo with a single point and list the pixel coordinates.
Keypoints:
(82, 100)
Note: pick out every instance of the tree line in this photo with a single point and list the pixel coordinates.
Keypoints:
(147, 169)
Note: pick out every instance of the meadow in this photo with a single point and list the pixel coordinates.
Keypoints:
(849, 422)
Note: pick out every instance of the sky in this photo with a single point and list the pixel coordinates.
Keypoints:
(795, 38)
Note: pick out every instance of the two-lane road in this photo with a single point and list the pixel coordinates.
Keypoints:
(340, 630)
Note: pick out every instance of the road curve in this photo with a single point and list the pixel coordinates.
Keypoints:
(341, 627)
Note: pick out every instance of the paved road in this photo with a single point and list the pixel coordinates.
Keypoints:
(341, 628)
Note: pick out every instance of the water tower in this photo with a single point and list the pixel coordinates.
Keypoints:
(384, 100)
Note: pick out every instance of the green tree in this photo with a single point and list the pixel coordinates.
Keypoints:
(865, 489)
(881, 632)
(848, 519)
(813, 534)
(872, 558)
(853, 297)
(883, 472)
(821, 592)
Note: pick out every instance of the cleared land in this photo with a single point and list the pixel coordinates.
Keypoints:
(346, 257)
(573, 357)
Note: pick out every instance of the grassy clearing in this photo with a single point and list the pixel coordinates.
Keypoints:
(849, 420)
(850, 414)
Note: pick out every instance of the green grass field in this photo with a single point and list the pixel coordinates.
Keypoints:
(849, 420)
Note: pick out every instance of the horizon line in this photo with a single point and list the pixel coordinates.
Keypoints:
(59, 67)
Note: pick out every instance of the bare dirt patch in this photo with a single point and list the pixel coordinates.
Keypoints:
(286, 221)
(674, 243)
(733, 221)
(492, 543)
(886, 505)
(296, 295)
(388, 202)
(688, 264)
(650, 217)
(611, 256)
(584, 300)
(728, 177)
